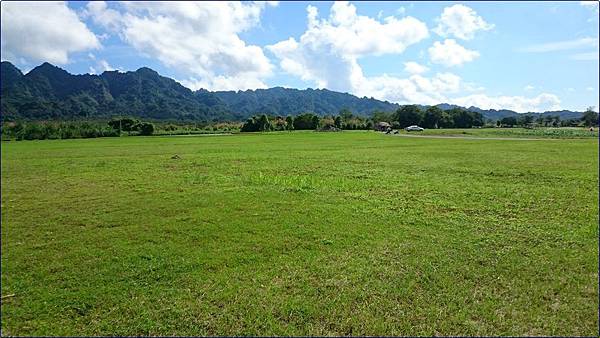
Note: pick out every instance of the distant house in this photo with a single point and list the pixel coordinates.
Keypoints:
(382, 126)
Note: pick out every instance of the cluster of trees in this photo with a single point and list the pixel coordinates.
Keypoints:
(266, 123)
(588, 119)
(307, 121)
(177, 128)
(55, 130)
(52, 130)
(132, 125)
(431, 117)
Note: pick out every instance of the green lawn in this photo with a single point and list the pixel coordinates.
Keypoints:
(351, 233)
(563, 132)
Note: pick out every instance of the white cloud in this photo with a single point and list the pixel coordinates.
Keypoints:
(529, 87)
(520, 104)
(414, 68)
(328, 53)
(589, 89)
(571, 89)
(103, 16)
(101, 66)
(562, 45)
(239, 82)
(461, 22)
(197, 37)
(328, 50)
(43, 31)
(104, 66)
(449, 53)
(401, 11)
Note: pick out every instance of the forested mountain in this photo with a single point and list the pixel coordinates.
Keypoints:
(49, 92)
(284, 101)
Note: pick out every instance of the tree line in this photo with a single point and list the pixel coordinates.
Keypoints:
(345, 120)
(432, 117)
(51, 130)
(588, 119)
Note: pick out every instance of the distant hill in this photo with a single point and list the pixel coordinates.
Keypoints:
(49, 92)
(287, 101)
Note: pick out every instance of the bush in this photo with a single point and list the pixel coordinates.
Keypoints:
(145, 128)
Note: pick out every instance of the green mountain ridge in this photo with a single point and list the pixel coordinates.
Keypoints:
(48, 92)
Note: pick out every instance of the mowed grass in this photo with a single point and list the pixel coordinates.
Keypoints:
(351, 233)
(552, 133)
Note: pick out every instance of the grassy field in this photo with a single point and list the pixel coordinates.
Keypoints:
(300, 234)
(513, 132)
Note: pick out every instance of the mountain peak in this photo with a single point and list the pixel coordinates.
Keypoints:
(9, 74)
(147, 71)
(48, 69)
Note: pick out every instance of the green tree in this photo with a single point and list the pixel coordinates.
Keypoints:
(316, 121)
(465, 119)
(525, 120)
(432, 117)
(509, 121)
(306, 121)
(346, 114)
(125, 124)
(446, 120)
(250, 125)
(289, 120)
(408, 115)
(145, 128)
(338, 122)
(590, 117)
(381, 117)
(263, 123)
(540, 120)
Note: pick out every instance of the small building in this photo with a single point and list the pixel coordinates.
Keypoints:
(382, 126)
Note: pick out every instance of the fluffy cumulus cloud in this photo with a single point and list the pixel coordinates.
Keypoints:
(519, 104)
(414, 89)
(449, 53)
(328, 50)
(43, 31)
(197, 37)
(461, 22)
(101, 66)
(412, 67)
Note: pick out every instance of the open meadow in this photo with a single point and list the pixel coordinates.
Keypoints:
(300, 233)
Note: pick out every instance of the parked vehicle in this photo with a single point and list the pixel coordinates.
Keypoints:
(413, 128)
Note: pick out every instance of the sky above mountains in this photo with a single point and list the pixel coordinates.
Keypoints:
(523, 56)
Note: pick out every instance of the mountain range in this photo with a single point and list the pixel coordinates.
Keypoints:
(49, 92)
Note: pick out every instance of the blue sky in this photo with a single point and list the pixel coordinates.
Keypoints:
(525, 56)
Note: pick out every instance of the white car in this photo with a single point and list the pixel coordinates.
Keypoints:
(413, 128)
